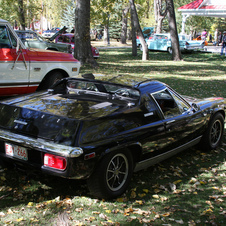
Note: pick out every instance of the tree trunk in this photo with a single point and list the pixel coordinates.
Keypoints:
(133, 31)
(159, 16)
(124, 25)
(135, 21)
(176, 54)
(21, 14)
(83, 50)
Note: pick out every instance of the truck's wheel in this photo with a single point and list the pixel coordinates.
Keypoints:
(213, 136)
(50, 80)
(112, 176)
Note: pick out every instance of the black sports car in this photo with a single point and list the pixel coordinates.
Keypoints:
(103, 131)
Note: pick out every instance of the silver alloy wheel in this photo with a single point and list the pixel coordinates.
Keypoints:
(215, 132)
(117, 172)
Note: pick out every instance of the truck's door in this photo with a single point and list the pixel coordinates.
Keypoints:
(14, 73)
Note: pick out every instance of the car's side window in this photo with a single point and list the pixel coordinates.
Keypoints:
(150, 110)
(4, 38)
(60, 39)
(167, 104)
(66, 39)
(182, 105)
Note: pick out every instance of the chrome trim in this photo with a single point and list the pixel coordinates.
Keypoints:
(41, 145)
(156, 159)
(20, 122)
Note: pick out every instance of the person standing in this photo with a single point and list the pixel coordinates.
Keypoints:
(223, 43)
(216, 37)
(204, 35)
(219, 38)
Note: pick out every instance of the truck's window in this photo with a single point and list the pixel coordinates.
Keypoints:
(13, 39)
(4, 37)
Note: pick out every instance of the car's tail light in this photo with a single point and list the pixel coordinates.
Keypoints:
(186, 43)
(56, 162)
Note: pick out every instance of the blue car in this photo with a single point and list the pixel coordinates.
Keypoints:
(147, 32)
(162, 42)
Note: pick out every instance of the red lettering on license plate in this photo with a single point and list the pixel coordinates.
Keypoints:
(16, 151)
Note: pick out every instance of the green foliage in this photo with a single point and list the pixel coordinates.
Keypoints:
(115, 29)
(68, 17)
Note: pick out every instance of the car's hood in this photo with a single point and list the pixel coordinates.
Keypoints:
(51, 55)
(50, 116)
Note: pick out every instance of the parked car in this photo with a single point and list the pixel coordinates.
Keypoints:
(147, 32)
(50, 33)
(26, 70)
(103, 131)
(162, 42)
(31, 39)
(69, 38)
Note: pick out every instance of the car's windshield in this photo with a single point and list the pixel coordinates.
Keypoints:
(113, 91)
(30, 36)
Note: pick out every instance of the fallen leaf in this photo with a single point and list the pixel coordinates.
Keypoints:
(20, 219)
(155, 196)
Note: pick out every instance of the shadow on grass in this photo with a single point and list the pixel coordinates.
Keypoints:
(17, 187)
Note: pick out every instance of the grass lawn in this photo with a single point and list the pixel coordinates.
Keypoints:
(187, 189)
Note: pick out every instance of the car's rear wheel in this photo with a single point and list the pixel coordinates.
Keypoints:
(170, 50)
(112, 176)
(141, 47)
(213, 136)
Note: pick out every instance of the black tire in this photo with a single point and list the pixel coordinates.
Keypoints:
(141, 48)
(50, 80)
(213, 136)
(112, 175)
(170, 51)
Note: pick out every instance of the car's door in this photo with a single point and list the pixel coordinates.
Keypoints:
(183, 125)
(151, 133)
(14, 73)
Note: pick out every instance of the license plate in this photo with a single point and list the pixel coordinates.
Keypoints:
(16, 151)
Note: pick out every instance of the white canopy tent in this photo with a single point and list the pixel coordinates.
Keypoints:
(209, 8)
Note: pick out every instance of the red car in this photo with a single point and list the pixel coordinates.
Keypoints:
(69, 39)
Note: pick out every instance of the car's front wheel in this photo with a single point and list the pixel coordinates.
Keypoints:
(213, 136)
(112, 176)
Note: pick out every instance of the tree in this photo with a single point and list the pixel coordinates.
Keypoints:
(168, 5)
(176, 54)
(124, 24)
(82, 33)
(21, 16)
(138, 30)
(68, 17)
(160, 14)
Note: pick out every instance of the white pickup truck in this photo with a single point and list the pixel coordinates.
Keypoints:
(24, 70)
